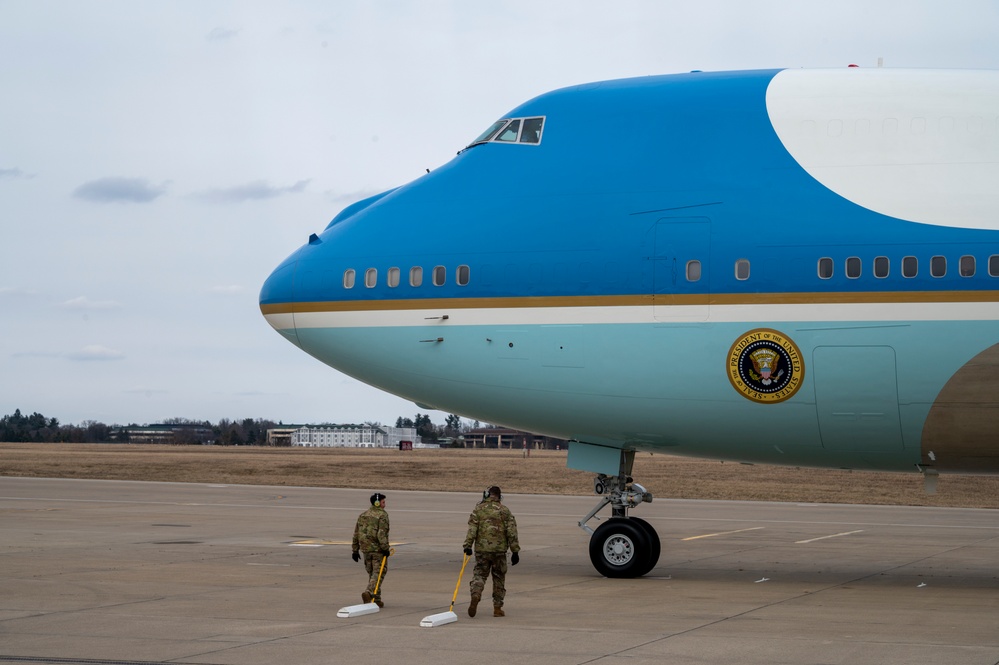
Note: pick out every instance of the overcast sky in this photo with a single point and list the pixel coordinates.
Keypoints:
(159, 158)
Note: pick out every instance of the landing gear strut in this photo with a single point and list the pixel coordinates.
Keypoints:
(622, 546)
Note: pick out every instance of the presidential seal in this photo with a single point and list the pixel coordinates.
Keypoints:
(765, 366)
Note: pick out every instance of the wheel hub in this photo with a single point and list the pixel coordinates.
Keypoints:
(618, 550)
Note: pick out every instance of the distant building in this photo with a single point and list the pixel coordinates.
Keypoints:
(353, 436)
(502, 438)
(281, 436)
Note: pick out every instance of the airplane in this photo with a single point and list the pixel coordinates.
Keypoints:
(788, 266)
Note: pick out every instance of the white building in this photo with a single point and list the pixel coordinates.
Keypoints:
(353, 436)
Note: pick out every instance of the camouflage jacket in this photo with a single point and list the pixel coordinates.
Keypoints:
(492, 528)
(371, 533)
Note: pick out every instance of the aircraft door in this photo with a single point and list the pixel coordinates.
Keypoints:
(856, 398)
(680, 289)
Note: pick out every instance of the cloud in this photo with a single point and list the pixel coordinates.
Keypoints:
(116, 190)
(83, 302)
(221, 34)
(95, 352)
(13, 174)
(254, 191)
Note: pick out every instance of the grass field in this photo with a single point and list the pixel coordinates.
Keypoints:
(459, 470)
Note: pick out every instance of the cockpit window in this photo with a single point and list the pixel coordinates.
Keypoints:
(532, 130)
(490, 133)
(512, 130)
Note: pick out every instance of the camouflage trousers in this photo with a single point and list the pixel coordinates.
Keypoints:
(486, 562)
(373, 564)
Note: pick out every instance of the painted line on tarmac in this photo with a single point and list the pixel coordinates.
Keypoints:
(723, 533)
(835, 535)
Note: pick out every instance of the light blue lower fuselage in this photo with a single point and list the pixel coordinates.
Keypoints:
(629, 383)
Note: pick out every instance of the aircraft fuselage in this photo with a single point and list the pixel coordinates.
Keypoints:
(793, 267)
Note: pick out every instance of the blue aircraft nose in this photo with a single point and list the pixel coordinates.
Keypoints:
(277, 298)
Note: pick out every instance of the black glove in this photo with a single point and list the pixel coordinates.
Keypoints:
(515, 558)
(468, 551)
(355, 556)
(385, 553)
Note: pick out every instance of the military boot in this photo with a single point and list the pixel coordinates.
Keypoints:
(365, 596)
(498, 611)
(474, 604)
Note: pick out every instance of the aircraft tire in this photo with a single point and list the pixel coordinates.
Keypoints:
(655, 546)
(620, 548)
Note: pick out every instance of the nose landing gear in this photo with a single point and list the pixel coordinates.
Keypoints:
(622, 546)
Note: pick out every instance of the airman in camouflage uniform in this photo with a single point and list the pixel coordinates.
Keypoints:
(371, 537)
(492, 528)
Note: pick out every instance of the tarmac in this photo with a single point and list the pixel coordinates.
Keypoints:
(142, 573)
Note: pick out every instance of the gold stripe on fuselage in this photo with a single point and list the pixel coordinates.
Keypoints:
(815, 298)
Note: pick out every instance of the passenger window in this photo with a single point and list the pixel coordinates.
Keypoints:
(393, 277)
(967, 266)
(371, 277)
(416, 276)
(693, 271)
(882, 267)
(509, 132)
(853, 267)
(742, 269)
(910, 266)
(938, 266)
(825, 268)
(439, 275)
(994, 265)
(348, 278)
(532, 130)
(461, 276)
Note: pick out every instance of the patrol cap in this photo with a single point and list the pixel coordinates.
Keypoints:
(376, 497)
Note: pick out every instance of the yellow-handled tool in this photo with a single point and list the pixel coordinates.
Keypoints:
(366, 608)
(447, 617)
(380, 571)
